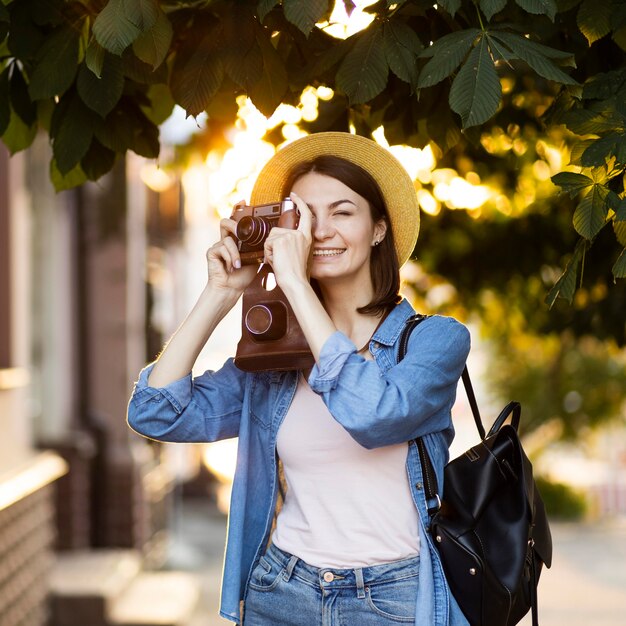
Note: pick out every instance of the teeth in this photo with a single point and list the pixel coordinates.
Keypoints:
(327, 252)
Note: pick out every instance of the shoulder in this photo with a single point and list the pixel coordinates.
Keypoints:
(439, 334)
(442, 327)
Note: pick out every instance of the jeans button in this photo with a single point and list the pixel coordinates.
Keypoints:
(329, 577)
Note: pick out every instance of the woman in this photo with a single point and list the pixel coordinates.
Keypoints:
(349, 546)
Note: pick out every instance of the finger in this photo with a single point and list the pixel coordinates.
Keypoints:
(227, 227)
(222, 255)
(268, 249)
(306, 217)
(233, 250)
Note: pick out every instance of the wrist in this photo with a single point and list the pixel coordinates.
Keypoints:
(219, 298)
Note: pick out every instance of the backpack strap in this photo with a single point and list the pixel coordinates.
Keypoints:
(433, 501)
(430, 479)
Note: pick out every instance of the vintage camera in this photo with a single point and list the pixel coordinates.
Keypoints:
(271, 338)
(255, 222)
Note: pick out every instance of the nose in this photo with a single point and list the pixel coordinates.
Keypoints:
(322, 228)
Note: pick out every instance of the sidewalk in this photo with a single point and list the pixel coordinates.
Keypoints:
(586, 585)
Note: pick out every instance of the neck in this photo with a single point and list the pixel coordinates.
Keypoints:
(341, 305)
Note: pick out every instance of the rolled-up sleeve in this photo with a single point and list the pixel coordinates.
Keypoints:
(205, 408)
(333, 356)
(412, 398)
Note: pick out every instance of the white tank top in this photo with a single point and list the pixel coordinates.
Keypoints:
(345, 506)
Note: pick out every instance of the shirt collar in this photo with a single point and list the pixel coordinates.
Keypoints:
(389, 331)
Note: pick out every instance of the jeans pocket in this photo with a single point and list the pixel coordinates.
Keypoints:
(266, 575)
(394, 600)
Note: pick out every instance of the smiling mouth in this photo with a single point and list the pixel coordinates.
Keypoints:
(327, 253)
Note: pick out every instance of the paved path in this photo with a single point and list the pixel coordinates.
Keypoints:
(586, 585)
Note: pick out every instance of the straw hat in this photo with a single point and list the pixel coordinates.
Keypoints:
(393, 180)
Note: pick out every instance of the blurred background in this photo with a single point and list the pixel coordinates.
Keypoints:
(99, 526)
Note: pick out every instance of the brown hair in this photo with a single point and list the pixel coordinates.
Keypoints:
(384, 267)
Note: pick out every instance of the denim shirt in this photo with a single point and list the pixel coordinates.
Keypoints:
(379, 402)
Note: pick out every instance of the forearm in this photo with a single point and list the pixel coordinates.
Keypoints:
(311, 315)
(180, 353)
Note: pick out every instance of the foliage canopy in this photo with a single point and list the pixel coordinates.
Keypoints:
(100, 76)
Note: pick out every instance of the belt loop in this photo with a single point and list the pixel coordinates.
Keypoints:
(360, 587)
(289, 569)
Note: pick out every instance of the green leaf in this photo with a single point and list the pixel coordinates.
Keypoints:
(577, 151)
(141, 72)
(476, 89)
(593, 121)
(194, 85)
(604, 85)
(102, 94)
(268, 92)
(599, 151)
(619, 269)
(401, 46)
(127, 128)
(245, 66)
(73, 135)
(146, 139)
(47, 12)
(330, 57)
(537, 56)
(451, 6)
(161, 103)
(20, 100)
(443, 128)
(619, 228)
(5, 18)
(264, 7)
(71, 179)
(142, 13)
(619, 37)
(56, 65)
(5, 109)
(18, 136)
(153, 45)
(447, 54)
(97, 161)
(539, 7)
(304, 13)
(362, 74)
(571, 182)
(590, 214)
(25, 38)
(117, 131)
(94, 57)
(620, 211)
(594, 19)
(565, 286)
(112, 28)
(620, 150)
(491, 7)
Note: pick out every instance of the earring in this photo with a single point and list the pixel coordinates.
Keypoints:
(376, 242)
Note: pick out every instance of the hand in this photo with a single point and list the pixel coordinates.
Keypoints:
(224, 263)
(289, 251)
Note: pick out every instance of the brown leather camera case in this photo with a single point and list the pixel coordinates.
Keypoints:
(271, 338)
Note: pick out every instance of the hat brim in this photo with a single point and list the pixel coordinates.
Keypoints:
(393, 180)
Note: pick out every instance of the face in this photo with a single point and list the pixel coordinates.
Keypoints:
(343, 230)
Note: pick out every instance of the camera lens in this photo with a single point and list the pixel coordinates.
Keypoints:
(252, 230)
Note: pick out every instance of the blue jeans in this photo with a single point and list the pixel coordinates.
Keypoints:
(285, 591)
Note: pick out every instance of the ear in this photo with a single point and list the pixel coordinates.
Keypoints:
(380, 230)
